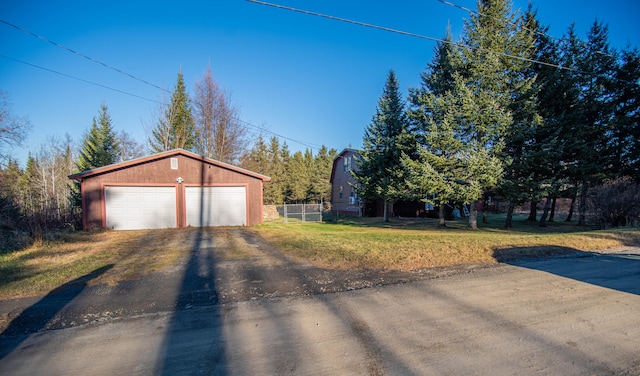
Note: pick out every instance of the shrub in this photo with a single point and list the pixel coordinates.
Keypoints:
(616, 203)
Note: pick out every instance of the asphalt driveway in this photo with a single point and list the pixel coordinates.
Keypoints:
(570, 315)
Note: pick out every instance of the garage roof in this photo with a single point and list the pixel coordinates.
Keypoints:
(134, 162)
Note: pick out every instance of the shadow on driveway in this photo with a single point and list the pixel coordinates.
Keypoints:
(617, 271)
(195, 345)
(198, 345)
(38, 315)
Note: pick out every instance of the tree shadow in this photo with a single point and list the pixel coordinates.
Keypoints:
(198, 291)
(37, 316)
(289, 355)
(617, 271)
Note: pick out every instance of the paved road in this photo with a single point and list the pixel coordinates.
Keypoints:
(577, 315)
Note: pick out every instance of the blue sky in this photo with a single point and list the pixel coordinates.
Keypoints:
(303, 77)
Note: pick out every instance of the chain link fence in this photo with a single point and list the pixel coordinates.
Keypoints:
(301, 212)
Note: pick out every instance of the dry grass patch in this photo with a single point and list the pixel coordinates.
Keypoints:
(117, 255)
(44, 266)
(114, 256)
(416, 244)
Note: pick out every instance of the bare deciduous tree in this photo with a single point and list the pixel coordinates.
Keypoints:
(130, 148)
(13, 130)
(221, 135)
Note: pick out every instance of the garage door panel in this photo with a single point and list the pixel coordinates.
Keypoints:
(216, 206)
(134, 208)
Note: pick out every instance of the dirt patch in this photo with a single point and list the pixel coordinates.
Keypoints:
(224, 266)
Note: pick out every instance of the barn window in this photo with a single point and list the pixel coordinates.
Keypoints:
(174, 163)
(347, 164)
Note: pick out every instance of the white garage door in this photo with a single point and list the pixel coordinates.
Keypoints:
(135, 208)
(216, 206)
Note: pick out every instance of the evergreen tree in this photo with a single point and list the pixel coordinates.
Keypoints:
(257, 158)
(532, 144)
(626, 130)
(492, 83)
(281, 163)
(595, 76)
(474, 96)
(434, 113)
(301, 177)
(175, 128)
(297, 181)
(321, 180)
(566, 114)
(10, 197)
(381, 175)
(99, 148)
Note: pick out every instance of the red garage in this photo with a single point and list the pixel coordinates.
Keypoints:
(176, 188)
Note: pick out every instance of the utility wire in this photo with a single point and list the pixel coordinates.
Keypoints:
(82, 55)
(78, 79)
(538, 32)
(407, 33)
(471, 11)
(262, 129)
(345, 20)
(246, 123)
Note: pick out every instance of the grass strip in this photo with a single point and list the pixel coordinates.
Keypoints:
(414, 244)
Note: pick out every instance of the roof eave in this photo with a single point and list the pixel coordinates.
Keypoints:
(121, 165)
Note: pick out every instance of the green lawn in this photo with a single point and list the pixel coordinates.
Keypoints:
(419, 243)
(353, 243)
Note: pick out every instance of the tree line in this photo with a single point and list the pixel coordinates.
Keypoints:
(508, 110)
(40, 197)
(295, 178)
(505, 110)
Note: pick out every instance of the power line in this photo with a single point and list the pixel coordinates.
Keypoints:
(309, 145)
(538, 32)
(78, 78)
(246, 123)
(345, 20)
(377, 27)
(262, 129)
(82, 55)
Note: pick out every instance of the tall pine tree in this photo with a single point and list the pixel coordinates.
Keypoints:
(434, 113)
(596, 65)
(626, 135)
(381, 174)
(99, 148)
(492, 83)
(531, 143)
(176, 127)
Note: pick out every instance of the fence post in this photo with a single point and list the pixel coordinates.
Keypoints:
(285, 213)
(304, 215)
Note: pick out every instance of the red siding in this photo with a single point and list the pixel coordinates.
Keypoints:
(156, 171)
